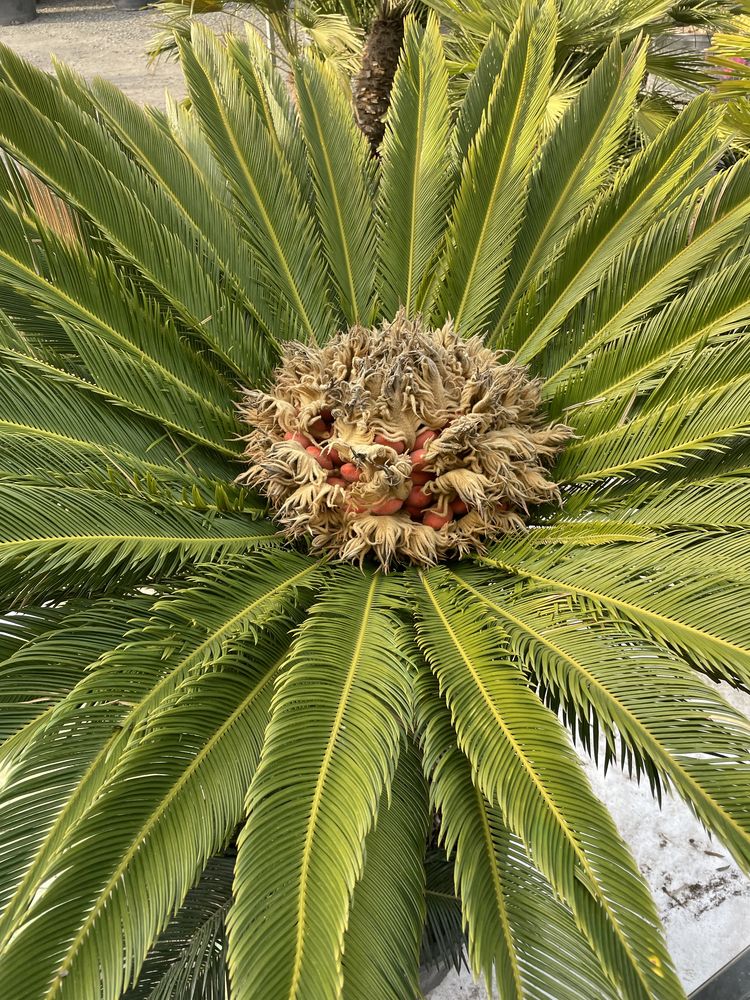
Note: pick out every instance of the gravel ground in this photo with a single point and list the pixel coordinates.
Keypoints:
(703, 898)
(98, 40)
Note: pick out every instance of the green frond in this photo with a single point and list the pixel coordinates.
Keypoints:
(573, 164)
(671, 167)
(199, 195)
(479, 90)
(129, 349)
(416, 173)
(57, 428)
(73, 153)
(604, 673)
(714, 310)
(382, 940)
(176, 804)
(189, 959)
(701, 618)
(271, 95)
(519, 933)
(270, 208)
(710, 503)
(443, 939)
(523, 763)
(329, 753)
(492, 195)
(340, 164)
(67, 539)
(702, 407)
(39, 771)
(225, 609)
(54, 648)
(18, 629)
(650, 272)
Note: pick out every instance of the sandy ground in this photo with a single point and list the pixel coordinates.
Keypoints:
(703, 898)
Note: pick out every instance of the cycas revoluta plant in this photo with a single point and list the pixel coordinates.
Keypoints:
(183, 677)
(675, 67)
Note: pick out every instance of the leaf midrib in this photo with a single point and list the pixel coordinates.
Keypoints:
(614, 97)
(160, 809)
(602, 598)
(497, 886)
(122, 735)
(499, 174)
(334, 193)
(127, 345)
(270, 230)
(643, 195)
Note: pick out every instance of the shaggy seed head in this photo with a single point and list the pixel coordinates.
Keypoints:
(404, 442)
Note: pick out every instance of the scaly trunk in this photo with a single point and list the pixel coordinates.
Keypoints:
(372, 85)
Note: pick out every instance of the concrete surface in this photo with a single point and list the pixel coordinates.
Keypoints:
(702, 897)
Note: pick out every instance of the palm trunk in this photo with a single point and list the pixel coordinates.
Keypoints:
(372, 85)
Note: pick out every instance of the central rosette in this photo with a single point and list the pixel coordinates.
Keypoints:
(408, 443)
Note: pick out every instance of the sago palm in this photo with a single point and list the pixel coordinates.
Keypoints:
(335, 492)
(675, 68)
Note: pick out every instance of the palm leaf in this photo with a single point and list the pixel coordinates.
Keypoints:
(515, 748)
(129, 348)
(54, 663)
(698, 619)
(199, 195)
(160, 792)
(479, 90)
(491, 198)
(189, 959)
(672, 166)
(48, 664)
(329, 753)
(54, 428)
(273, 215)
(701, 407)
(443, 938)
(340, 164)
(569, 173)
(382, 941)
(653, 268)
(714, 310)
(73, 153)
(179, 640)
(519, 932)
(605, 671)
(68, 539)
(416, 172)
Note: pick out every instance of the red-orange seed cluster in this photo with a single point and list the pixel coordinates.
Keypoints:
(433, 510)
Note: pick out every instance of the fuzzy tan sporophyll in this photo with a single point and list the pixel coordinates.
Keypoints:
(402, 441)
